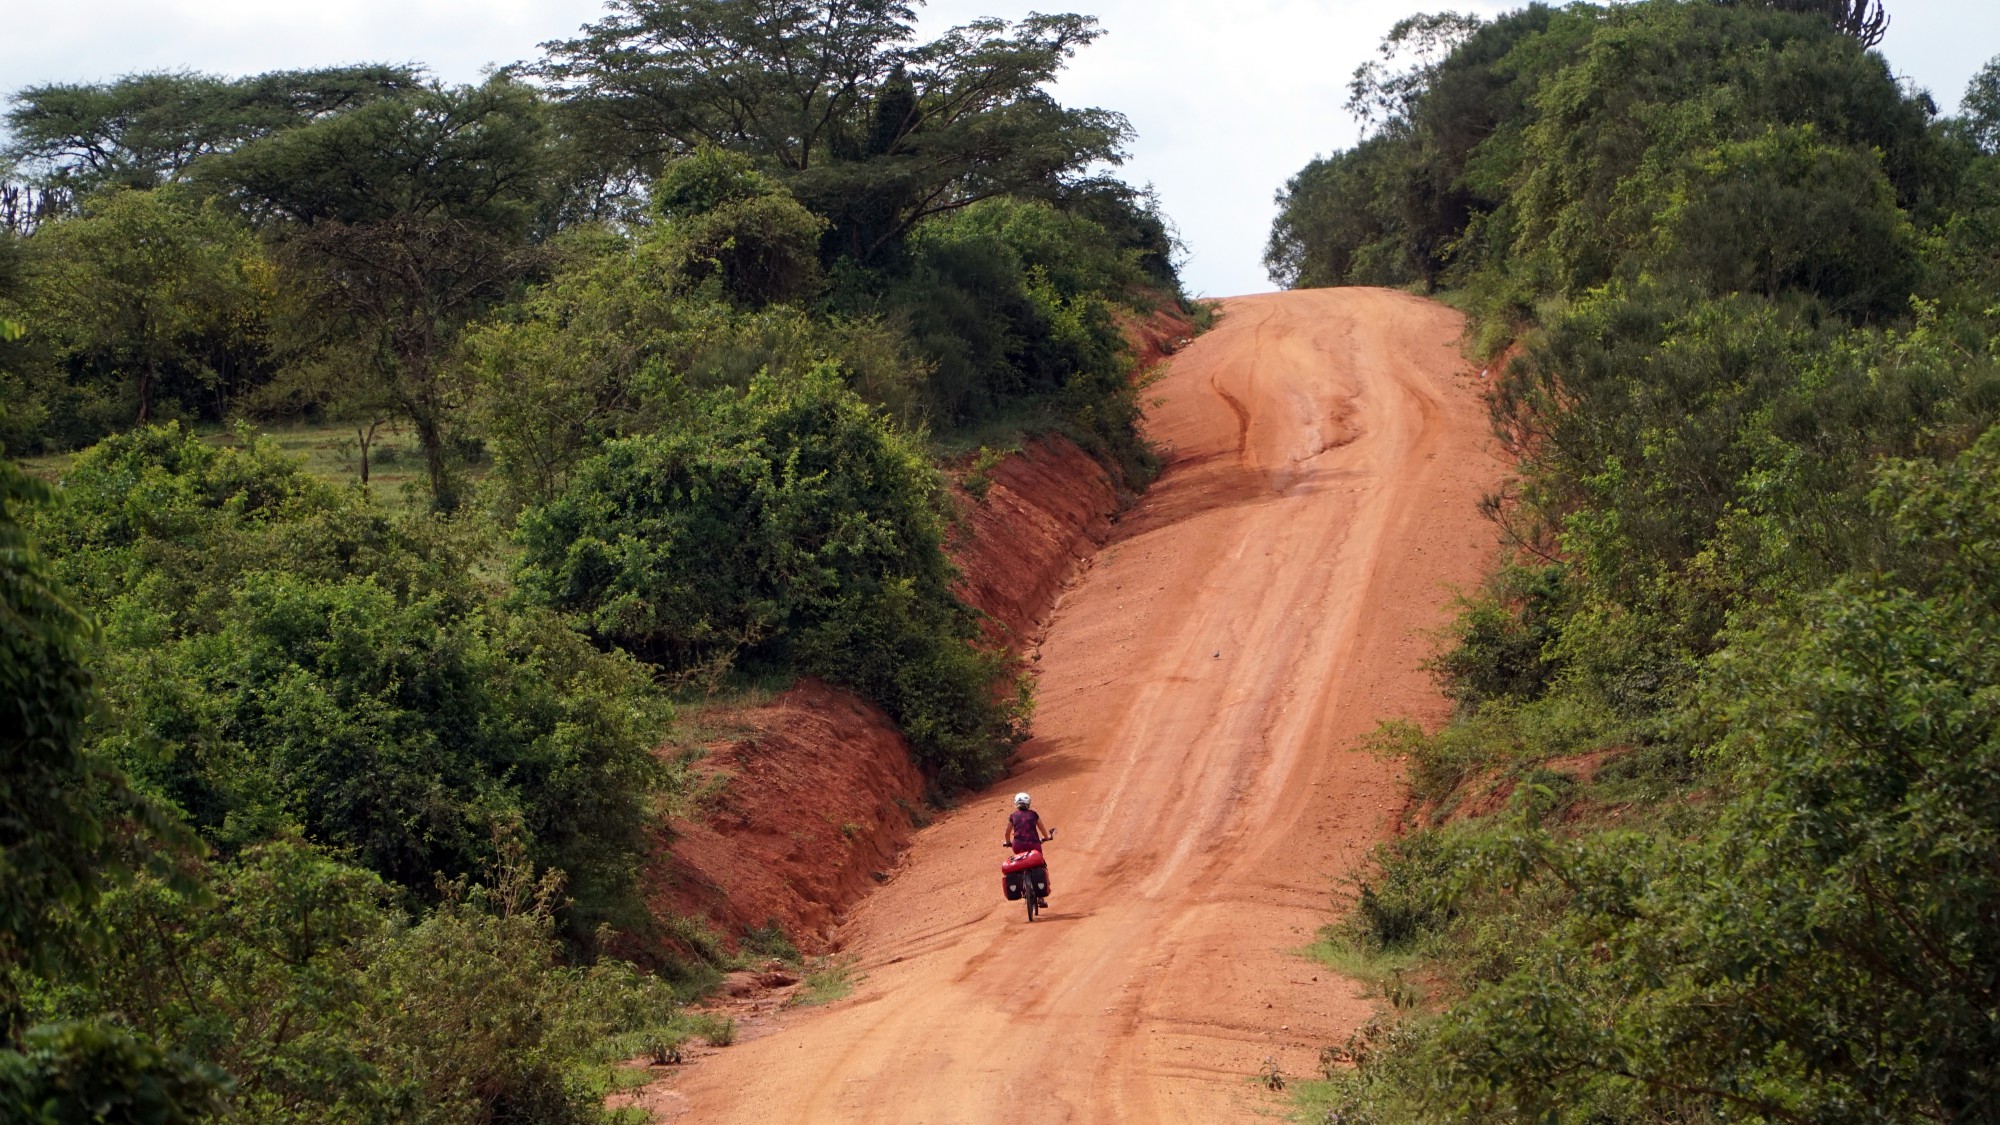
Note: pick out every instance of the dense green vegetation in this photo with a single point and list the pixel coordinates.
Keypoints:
(1713, 837)
(321, 805)
(787, 528)
(279, 653)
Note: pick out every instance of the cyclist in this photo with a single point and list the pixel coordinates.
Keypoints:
(1025, 834)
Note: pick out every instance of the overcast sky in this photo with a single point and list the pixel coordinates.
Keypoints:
(1229, 97)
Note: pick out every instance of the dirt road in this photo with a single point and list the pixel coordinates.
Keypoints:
(1201, 687)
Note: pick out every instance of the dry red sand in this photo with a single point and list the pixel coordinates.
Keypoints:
(1201, 689)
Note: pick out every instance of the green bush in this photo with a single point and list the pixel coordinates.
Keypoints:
(791, 528)
(724, 220)
(1007, 300)
(297, 976)
(1412, 895)
(1550, 146)
(71, 831)
(1502, 641)
(1787, 211)
(145, 305)
(1011, 304)
(90, 1072)
(281, 654)
(71, 826)
(613, 344)
(1821, 949)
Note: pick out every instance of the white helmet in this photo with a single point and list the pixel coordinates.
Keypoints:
(1021, 800)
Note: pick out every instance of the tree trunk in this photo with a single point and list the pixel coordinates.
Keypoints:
(430, 435)
(365, 437)
(147, 376)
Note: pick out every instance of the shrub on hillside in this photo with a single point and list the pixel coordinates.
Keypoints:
(280, 654)
(1011, 303)
(1787, 211)
(294, 973)
(1007, 299)
(788, 528)
(1823, 948)
(1543, 151)
(1759, 889)
(611, 345)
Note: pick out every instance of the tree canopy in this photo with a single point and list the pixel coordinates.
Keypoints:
(144, 130)
(868, 127)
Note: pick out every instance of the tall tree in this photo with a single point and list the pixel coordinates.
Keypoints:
(867, 127)
(397, 224)
(775, 79)
(143, 130)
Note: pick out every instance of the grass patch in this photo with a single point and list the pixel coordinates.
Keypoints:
(609, 1069)
(328, 452)
(765, 943)
(715, 703)
(1389, 975)
(663, 1045)
(1340, 953)
(827, 979)
(1316, 1101)
(48, 466)
(717, 1031)
(396, 477)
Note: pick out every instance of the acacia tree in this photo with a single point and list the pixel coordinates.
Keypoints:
(867, 127)
(396, 225)
(144, 130)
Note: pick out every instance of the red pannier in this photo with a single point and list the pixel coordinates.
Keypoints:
(1023, 861)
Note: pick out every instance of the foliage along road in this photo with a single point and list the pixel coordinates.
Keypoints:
(1201, 688)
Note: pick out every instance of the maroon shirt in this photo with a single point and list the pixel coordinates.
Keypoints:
(1026, 825)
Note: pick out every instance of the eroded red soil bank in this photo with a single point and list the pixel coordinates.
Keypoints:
(1046, 509)
(817, 799)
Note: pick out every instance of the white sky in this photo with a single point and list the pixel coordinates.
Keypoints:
(1229, 98)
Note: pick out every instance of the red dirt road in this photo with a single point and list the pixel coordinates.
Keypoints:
(1201, 689)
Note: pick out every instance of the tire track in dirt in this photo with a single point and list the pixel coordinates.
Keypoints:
(1202, 687)
(1237, 408)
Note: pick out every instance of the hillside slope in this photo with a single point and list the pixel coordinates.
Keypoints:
(1201, 687)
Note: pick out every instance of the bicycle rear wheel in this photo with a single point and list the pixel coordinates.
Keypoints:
(1028, 891)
